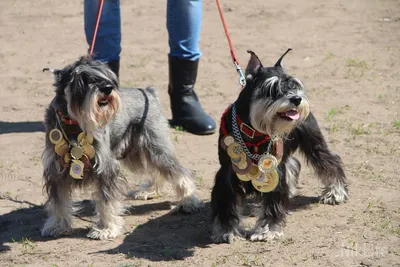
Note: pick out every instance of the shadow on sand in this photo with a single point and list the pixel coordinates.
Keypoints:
(165, 238)
(21, 127)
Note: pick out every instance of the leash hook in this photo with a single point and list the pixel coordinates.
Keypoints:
(242, 78)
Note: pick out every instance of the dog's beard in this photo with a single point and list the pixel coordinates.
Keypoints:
(265, 118)
(97, 109)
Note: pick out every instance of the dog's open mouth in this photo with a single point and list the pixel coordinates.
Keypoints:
(103, 101)
(291, 115)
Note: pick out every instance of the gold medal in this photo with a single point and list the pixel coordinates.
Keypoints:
(240, 160)
(254, 172)
(267, 182)
(88, 150)
(55, 136)
(76, 152)
(243, 169)
(227, 141)
(242, 164)
(89, 138)
(242, 177)
(81, 137)
(67, 158)
(76, 169)
(234, 151)
(267, 163)
(61, 148)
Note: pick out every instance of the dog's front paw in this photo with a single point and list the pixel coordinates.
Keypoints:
(56, 227)
(265, 233)
(335, 194)
(189, 204)
(265, 236)
(103, 234)
(230, 234)
(228, 237)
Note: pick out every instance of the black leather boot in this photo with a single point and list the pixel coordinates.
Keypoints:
(114, 66)
(186, 109)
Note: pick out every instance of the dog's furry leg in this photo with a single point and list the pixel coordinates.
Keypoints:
(225, 199)
(163, 158)
(59, 204)
(327, 164)
(293, 168)
(109, 193)
(273, 212)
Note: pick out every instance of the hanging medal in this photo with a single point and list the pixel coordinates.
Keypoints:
(234, 151)
(243, 168)
(267, 163)
(55, 136)
(242, 177)
(61, 148)
(76, 169)
(254, 172)
(85, 138)
(88, 149)
(226, 141)
(76, 152)
(267, 182)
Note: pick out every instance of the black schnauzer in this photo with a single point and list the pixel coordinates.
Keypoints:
(258, 135)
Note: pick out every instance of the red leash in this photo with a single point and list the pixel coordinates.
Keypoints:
(99, 10)
(242, 79)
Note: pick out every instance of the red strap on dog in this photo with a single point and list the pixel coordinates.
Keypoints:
(66, 119)
(244, 129)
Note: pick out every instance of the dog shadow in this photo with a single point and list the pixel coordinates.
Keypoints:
(168, 237)
(165, 238)
(21, 224)
(176, 236)
(300, 202)
(21, 127)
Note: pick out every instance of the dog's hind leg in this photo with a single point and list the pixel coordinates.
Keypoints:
(59, 204)
(161, 156)
(273, 211)
(109, 193)
(225, 198)
(327, 165)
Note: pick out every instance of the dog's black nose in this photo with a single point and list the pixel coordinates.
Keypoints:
(106, 89)
(296, 100)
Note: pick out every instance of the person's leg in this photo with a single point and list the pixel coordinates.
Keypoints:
(184, 19)
(107, 47)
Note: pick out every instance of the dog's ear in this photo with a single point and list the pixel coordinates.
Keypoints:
(253, 66)
(278, 63)
(57, 73)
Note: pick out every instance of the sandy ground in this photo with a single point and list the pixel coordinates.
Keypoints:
(347, 54)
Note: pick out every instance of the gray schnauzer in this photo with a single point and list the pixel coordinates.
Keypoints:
(259, 134)
(92, 126)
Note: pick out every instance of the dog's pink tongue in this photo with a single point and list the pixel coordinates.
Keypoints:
(293, 114)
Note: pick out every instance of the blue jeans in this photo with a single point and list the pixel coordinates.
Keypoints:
(184, 18)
